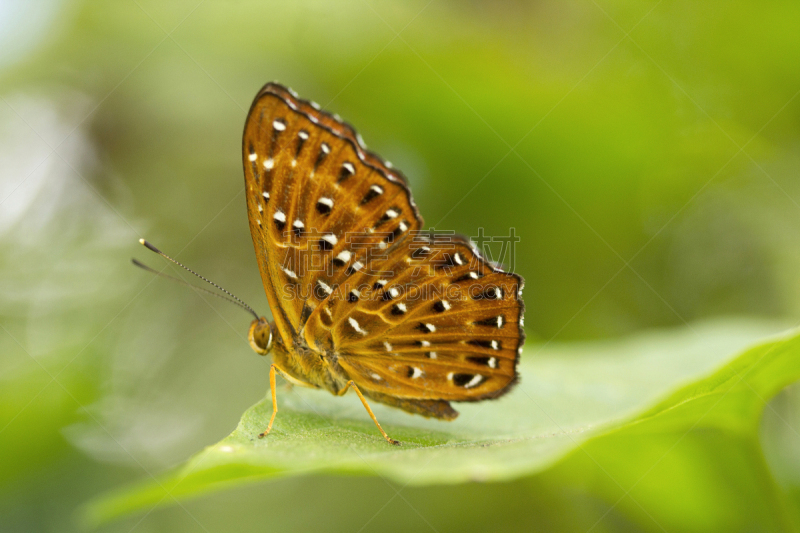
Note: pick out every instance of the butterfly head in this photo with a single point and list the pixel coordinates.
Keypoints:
(260, 336)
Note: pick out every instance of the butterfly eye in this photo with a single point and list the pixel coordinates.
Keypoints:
(260, 336)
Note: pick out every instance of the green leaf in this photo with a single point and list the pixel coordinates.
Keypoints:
(614, 391)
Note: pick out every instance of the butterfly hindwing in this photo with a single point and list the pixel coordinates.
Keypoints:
(445, 324)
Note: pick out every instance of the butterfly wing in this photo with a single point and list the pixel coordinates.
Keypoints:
(441, 322)
(349, 274)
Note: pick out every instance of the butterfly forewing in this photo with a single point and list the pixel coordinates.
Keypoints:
(349, 274)
(310, 185)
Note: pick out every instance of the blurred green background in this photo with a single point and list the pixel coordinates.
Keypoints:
(646, 153)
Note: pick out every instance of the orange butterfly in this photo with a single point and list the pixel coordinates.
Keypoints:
(361, 297)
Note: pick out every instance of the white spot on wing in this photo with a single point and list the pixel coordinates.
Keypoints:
(387, 346)
(325, 287)
(279, 216)
(416, 372)
(253, 156)
(278, 124)
(492, 362)
(354, 324)
(344, 256)
(476, 380)
(269, 163)
(330, 238)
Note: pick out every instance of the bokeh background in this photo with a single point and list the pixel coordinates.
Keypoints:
(647, 155)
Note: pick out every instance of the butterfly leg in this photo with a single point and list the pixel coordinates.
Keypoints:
(272, 370)
(369, 410)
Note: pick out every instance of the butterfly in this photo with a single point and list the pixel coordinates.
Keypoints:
(361, 296)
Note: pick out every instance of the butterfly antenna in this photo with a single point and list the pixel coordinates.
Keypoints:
(233, 299)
